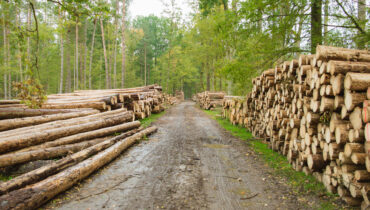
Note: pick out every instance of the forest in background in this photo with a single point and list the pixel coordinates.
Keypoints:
(67, 45)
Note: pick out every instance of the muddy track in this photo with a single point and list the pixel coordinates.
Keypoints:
(190, 163)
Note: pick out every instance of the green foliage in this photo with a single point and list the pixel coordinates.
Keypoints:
(221, 48)
(30, 92)
(146, 122)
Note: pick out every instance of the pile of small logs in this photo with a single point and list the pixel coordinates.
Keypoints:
(78, 143)
(209, 100)
(235, 109)
(314, 110)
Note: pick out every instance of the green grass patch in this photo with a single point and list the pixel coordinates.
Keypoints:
(301, 183)
(152, 118)
(5, 178)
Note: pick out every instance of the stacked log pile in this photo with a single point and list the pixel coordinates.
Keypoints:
(315, 110)
(141, 100)
(82, 141)
(209, 100)
(76, 132)
(235, 109)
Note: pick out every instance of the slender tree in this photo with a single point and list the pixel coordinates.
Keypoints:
(107, 79)
(316, 24)
(123, 46)
(92, 52)
(61, 52)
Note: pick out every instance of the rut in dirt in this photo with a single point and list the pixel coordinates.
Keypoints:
(190, 163)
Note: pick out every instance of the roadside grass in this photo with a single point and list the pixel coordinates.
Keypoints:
(301, 183)
(146, 122)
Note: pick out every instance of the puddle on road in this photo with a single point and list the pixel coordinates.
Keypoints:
(216, 146)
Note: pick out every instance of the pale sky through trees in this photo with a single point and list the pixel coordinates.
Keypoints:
(155, 7)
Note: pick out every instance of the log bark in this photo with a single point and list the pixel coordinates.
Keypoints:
(353, 99)
(37, 194)
(47, 153)
(28, 121)
(9, 113)
(59, 124)
(53, 168)
(84, 136)
(78, 105)
(357, 81)
(17, 142)
(344, 54)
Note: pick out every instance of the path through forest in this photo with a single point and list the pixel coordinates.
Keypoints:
(190, 163)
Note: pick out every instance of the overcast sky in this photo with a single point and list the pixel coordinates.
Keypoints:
(155, 7)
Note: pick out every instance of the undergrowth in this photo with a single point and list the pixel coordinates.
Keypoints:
(300, 183)
(146, 122)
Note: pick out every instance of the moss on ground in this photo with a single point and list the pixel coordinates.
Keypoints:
(300, 183)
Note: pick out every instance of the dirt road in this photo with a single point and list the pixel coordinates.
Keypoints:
(190, 163)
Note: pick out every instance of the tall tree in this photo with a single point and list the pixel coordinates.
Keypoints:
(123, 46)
(92, 52)
(107, 78)
(316, 24)
(61, 52)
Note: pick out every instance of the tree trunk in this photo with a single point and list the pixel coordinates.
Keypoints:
(18, 23)
(92, 53)
(28, 37)
(76, 57)
(123, 44)
(326, 20)
(50, 169)
(35, 195)
(85, 55)
(115, 46)
(316, 24)
(145, 63)
(107, 80)
(5, 58)
(361, 6)
(61, 57)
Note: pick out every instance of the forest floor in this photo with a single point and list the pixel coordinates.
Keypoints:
(190, 163)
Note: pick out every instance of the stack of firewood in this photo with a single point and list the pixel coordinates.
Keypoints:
(209, 100)
(313, 110)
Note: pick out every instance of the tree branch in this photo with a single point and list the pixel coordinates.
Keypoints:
(352, 18)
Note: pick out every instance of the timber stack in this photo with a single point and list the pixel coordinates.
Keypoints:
(71, 136)
(209, 100)
(235, 108)
(141, 100)
(315, 110)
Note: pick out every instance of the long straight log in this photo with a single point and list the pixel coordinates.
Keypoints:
(59, 124)
(337, 53)
(17, 142)
(37, 194)
(53, 168)
(47, 153)
(23, 122)
(84, 136)
(78, 105)
(9, 113)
